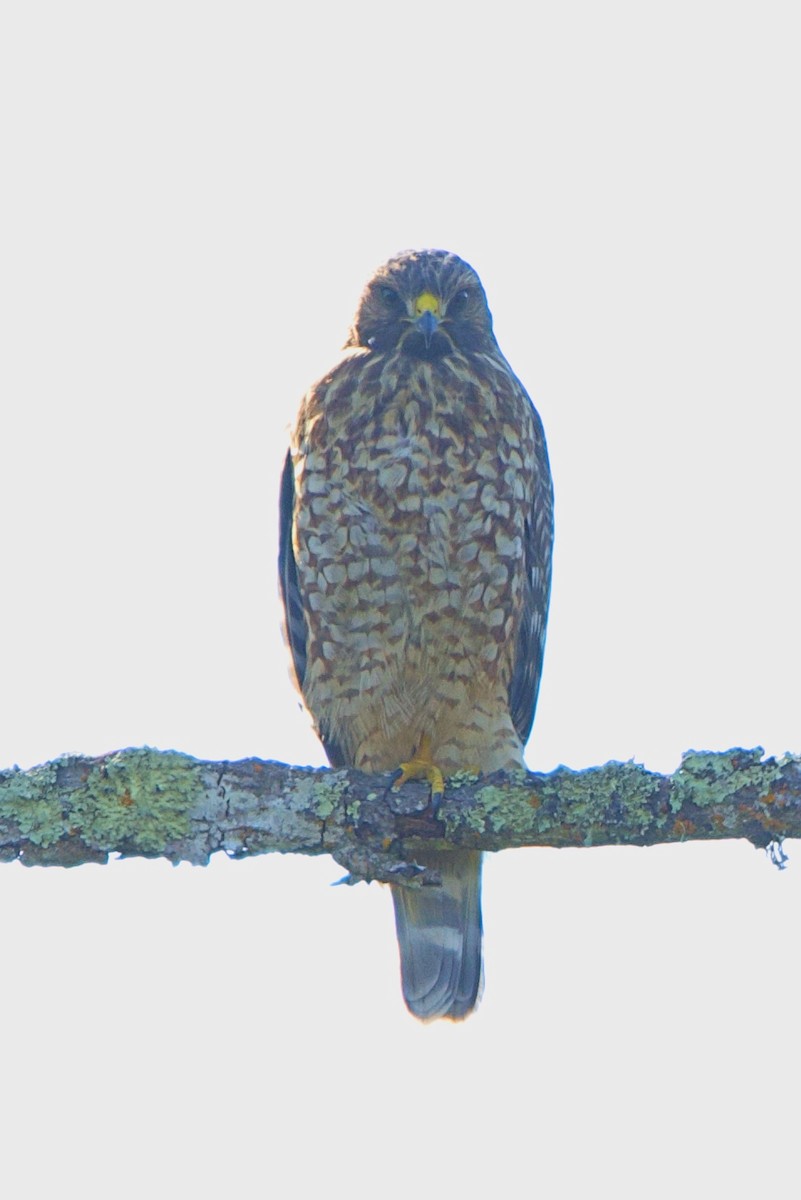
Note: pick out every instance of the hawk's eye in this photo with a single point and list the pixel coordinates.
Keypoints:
(390, 297)
(458, 303)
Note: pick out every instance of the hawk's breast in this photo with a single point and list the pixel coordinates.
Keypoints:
(409, 532)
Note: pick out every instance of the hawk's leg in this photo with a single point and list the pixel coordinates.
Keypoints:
(421, 766)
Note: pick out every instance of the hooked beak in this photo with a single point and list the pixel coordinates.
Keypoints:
(427, 316)
(427, 324)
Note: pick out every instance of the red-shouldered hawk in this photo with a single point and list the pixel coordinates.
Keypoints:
(415, 565)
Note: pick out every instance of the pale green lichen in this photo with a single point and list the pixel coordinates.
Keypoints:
(140, 799)
(709, 778)
(29, 801)
(502, 807)
(328, 796)
(137, 798)
(583, 800)
(323, 793)
(510, 808)
(462, 779)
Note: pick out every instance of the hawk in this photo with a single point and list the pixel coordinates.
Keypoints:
(415, 566)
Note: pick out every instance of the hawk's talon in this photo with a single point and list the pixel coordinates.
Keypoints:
(421, 766)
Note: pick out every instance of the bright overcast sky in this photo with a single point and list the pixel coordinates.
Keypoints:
(193, 198)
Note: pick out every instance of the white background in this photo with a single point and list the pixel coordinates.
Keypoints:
(193, 196)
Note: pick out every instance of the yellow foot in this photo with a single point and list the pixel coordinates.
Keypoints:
(420, 766)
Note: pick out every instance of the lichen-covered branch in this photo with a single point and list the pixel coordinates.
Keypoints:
(164, 804)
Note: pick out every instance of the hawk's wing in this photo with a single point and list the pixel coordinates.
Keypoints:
(297, 633)
(294, 618)
(525, 680)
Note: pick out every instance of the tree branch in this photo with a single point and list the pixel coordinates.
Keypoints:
(152, 804)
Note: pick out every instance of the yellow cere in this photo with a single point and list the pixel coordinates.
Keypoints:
(426, 302)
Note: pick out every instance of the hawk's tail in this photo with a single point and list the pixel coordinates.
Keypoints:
(439, 937)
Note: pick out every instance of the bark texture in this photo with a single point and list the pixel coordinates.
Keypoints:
(150, 803)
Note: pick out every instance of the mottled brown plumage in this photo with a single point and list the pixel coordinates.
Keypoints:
(416, 530)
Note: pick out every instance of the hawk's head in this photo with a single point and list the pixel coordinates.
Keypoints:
(427, 303)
